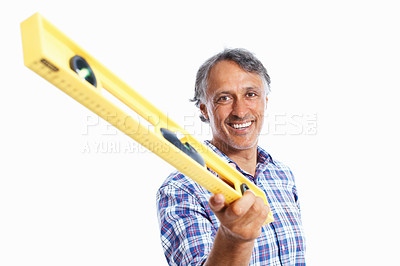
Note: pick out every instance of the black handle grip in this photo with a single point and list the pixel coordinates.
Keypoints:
(244, 187)
(186, 148)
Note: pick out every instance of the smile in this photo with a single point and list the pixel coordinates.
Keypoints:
(242, 125)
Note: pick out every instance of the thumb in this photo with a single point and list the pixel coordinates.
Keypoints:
(217, 202)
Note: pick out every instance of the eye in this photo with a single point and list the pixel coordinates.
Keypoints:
(223, 99)
(251, 94)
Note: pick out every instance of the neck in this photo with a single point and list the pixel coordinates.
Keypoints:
(245, 159)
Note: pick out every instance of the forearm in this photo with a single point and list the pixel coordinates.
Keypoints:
(227, 251)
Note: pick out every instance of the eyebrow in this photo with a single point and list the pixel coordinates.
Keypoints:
(246, 89)
(223, 92)
(252, 88)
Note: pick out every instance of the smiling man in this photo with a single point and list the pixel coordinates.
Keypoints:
(198, 228)
(234, 105)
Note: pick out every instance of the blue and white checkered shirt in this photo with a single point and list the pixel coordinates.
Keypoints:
(188, 226)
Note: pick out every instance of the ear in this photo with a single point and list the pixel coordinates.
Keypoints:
(203, 110)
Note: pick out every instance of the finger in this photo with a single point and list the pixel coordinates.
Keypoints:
(257, 213)
(242, 205)
(217, 202)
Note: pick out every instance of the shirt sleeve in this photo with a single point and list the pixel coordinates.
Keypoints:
(187, 233)
(294, 190)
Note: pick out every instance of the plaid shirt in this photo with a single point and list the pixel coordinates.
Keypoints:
(188, 226)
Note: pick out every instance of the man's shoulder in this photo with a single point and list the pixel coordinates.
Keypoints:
(176, 178)
(281, 166)
(275, 167)
(178, 181)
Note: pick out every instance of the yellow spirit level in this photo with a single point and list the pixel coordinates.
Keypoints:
(55, 57)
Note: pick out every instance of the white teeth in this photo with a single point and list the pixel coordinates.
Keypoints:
(239, 126)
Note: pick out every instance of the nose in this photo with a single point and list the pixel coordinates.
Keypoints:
(239, 108)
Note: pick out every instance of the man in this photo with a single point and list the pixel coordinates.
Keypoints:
(198, 228)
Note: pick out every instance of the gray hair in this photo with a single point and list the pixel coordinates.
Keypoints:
(245, 59)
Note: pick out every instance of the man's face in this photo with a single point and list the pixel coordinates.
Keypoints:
(235, 104)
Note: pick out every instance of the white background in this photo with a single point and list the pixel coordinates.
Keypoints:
(334, 63)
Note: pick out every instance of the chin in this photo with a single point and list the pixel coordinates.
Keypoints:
(226, 140)
(240, 145)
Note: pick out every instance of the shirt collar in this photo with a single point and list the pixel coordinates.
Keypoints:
(263, 156)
